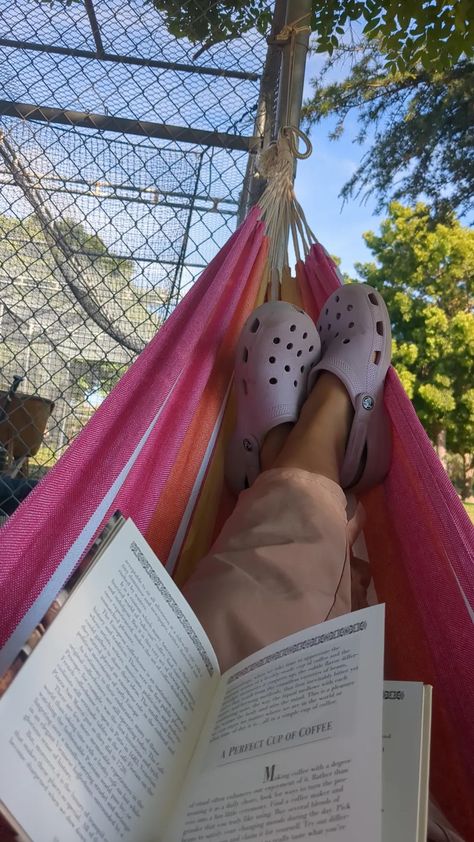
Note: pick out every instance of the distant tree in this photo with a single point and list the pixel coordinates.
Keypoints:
(95, 379)
(419, 123)
(425, 271)
(102, 284)
(92, 246)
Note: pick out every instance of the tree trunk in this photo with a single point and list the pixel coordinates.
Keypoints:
(468, 476)
(440, 447)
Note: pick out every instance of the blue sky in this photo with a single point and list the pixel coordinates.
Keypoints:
(319, 180)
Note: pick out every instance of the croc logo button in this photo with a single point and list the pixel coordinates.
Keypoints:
(247, 445)
(368, 402)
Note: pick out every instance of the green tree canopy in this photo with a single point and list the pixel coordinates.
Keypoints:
(425, 271)
(210, 22)
(419, 123)
(437, 31)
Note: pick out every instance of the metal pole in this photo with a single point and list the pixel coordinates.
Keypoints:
(283, 75)
(266, 117)
(290, 93)
(117, 58)
(95, 28)
(290, 97)
(178, 274)
(265, 123)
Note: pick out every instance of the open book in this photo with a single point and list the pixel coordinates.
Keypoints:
(120, 727)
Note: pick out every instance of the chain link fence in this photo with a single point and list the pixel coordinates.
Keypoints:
(124, 167)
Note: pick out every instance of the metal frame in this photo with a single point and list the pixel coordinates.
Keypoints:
(103, 55)
(144, 128)
(280, 66)
(283, 72)
(117, 58)
(193, 137)
(42, 113)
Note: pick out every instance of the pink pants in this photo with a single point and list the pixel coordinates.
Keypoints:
(282, 563)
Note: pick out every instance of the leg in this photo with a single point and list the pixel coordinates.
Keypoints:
(278, 567)
(282, 560)
(318, 441)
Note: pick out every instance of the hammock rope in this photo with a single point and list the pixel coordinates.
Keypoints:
(281, 211)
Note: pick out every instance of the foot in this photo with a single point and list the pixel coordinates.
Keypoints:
(273, 444)
(278, 345)
(355, 332)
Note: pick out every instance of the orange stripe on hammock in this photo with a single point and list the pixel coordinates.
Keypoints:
(175, 495)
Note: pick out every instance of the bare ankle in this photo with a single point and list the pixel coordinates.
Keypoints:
(273, 444)
(318, 441)
(329, 405)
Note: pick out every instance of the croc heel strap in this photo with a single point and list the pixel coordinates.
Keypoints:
(354, 327)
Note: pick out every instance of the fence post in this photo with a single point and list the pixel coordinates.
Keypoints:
(265, 123)
(281, 89)
(290, 94)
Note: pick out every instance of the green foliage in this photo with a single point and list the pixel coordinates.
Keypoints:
(461, 472)
(96, 378)
(419, 124)
(77, 238)
(40, 464)
(436, 33)
(126, 307)
(470, 510)
(83, 243)
(210, 22)
(425, 271)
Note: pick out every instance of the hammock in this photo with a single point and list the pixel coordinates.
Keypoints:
(154, 450)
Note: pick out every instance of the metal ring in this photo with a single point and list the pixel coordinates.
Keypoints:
(292, 134)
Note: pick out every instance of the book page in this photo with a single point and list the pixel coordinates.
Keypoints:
(99, 725)
(293, 744)
(405, 741)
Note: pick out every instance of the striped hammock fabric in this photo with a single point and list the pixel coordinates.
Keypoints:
(154, 450)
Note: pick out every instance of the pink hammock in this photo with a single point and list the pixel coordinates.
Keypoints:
(154, 450)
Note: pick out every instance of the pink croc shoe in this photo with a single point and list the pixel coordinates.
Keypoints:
(277, 347)
(356, 339)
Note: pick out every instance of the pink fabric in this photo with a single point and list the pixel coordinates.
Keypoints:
(280, 564)
(41, 531)
(435, 535)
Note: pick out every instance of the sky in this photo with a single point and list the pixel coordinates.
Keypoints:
(319, 180)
